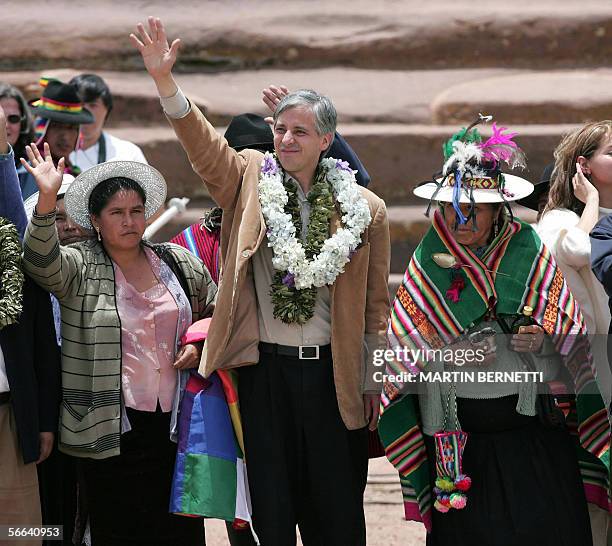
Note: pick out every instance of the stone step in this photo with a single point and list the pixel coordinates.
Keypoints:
(438, 97)
(236, 35)
(397, 156)
(360, 95)
(574, 96)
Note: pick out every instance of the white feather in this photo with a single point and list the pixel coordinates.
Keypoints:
(463, 154)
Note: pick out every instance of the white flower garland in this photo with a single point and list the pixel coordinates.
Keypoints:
(289, 253)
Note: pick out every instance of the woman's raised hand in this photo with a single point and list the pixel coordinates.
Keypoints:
(158, 56)
(583, 189)
(48, 177)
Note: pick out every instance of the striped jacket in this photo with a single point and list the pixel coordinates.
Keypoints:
(82, 278)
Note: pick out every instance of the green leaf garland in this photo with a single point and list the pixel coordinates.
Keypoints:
(11, 274)
(290, 304)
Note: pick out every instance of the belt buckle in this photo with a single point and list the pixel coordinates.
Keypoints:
(301, 352)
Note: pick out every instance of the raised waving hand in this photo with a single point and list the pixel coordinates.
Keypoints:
(48, 177)
(158, 56)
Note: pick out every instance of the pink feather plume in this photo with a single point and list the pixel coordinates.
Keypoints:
(500, 147)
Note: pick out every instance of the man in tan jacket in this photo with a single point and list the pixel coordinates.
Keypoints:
(303, 352)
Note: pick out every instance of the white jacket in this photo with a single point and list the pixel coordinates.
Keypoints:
(571, 247)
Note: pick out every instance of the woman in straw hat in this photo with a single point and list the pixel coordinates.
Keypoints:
(125, 304)
(486, 458)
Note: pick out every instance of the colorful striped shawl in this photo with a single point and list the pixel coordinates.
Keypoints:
(422, 318)
(204, 244)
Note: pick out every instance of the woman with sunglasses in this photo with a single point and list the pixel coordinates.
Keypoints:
(19, 125)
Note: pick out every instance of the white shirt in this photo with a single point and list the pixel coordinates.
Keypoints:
(117, 149)
(4, 385)
(571, 248)
(317, 330)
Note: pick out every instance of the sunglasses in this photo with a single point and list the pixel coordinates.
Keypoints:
(14, 118)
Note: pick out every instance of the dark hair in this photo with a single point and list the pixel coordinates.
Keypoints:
(102, 193)
(91, 87)
(26, 130)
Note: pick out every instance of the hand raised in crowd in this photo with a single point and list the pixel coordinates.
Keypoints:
(158, 56)
(271, 97)
(528, 340)
(583, 189)
(46, 445)
(188, 356)
(3, 136)
(48, 177)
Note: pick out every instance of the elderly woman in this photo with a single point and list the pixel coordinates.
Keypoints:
(125, 304)
(494, 459)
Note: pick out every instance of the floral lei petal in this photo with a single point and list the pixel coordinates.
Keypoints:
(11, 274)
(322, 259)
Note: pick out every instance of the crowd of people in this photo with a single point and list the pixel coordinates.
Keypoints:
(140, 381)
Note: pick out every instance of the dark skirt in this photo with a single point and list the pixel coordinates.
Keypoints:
(526, 487)
(128, 495)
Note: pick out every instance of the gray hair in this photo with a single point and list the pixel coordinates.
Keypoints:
(322, 108)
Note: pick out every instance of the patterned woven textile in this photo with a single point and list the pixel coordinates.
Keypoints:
(204, 244)
(423, 318)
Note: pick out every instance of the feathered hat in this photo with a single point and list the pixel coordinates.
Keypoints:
(472, 171)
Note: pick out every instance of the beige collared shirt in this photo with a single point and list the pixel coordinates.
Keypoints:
(317, 331)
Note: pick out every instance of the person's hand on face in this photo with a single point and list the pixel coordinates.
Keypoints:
(583, 189)
(158, 56)
(48, 177)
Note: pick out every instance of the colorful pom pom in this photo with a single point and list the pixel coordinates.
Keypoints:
(440, 507)
(458, 501)
(463, 482)
(445, 484)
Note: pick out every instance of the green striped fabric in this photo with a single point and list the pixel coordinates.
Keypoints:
(82, 278)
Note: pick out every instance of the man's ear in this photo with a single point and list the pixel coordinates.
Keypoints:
(327, 141)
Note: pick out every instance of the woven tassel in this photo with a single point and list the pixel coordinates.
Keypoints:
(457, 285)
(451, 484)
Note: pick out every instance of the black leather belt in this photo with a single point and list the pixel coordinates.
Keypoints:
(5, 398)
(302, 352)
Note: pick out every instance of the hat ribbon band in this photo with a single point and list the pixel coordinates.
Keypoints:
(56, 106)
(476, 183)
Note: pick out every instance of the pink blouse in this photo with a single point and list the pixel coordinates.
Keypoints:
(148, 334)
